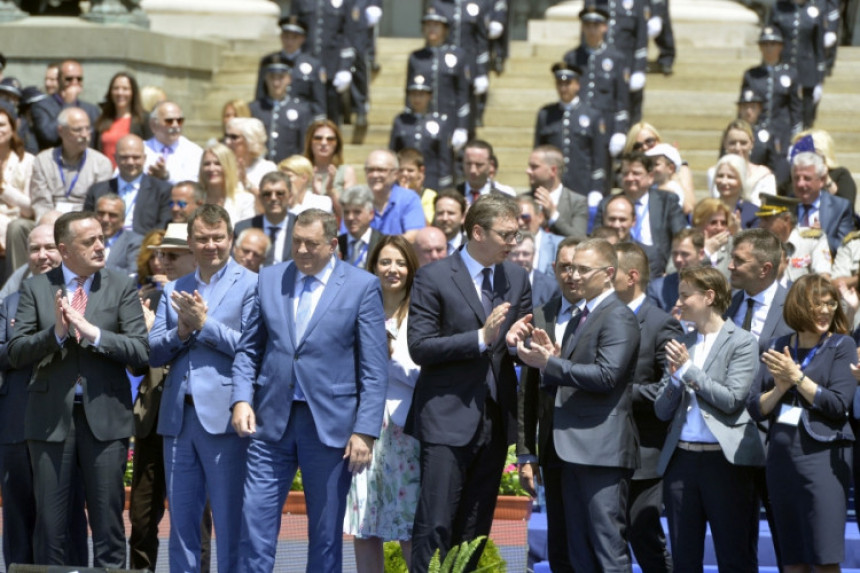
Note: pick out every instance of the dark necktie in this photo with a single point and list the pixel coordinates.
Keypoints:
(273, 237)
(568, 340)
(804, 222)
(747, 325)
(572, 324)
(487, 292)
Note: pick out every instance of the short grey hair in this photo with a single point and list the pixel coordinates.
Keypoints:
(63, 117)
(357, 195)
(809, 159)
(111, 197)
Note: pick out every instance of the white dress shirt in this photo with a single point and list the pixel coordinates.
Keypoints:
(763, 302)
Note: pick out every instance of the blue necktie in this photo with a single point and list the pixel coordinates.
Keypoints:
(305, 307)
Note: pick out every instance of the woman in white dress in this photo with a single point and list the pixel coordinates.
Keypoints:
(382, 500)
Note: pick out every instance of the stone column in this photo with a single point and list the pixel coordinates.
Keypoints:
(117, 12)
(227, 19)
(9, 11)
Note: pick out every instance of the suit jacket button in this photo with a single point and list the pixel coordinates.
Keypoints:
(706, 415)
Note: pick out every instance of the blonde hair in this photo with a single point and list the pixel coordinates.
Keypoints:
(634, 132)
(150, 96)
(227, 159)
(739, 165)
(254, 132)
(298, 164)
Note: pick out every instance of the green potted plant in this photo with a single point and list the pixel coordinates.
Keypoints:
(513, 502)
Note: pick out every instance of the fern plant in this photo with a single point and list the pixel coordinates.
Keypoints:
(458, 557)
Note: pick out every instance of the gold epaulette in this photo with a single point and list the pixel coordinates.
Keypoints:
(850, 237)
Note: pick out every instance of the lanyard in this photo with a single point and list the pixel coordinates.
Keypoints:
(58, 158)
(821, 343)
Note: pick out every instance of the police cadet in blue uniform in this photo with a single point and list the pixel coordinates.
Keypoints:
(286, 117)
(578, 131)
(446, 69)
(468, 22)
(363, 18)
(605, 76)
(330, 40)
(802, 26)
(660, 30)
(499, 35)
(308, 75)
(426, 131)
(628, 33)
(777, 85)
(767, 149)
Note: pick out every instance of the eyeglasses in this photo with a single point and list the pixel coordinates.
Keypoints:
(646, 144)
(509, 237)
(379, 169)
(180, 204)
(581, 270)
(829, 305)
(278, 194)
(172, 120)
(329, 138)
(232, 136)
(171, 256)
(524, 217)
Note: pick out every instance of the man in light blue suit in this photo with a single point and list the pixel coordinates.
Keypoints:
(314, 365)
(197, 328)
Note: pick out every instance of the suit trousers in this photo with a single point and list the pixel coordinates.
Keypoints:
(146, 507)
(57, 466)
(191, 459)
(701, 488)
(556, 528)
(459, 487)
(19, 505)
(644, 530)
(271, 467)
(595, 504)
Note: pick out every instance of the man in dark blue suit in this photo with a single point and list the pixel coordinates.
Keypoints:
(16, 475)
(834, 215)
(276, 221)
(544, 286)
(45, 111)
(147, 199)
(467, 310)
(314, 364)
(656, 328)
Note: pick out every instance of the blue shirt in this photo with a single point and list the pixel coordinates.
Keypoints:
(402, 213)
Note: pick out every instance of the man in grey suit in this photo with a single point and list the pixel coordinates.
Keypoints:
(538, 461)
(593, 427)
(81, 325)
(566, 212)
(147, 199)
(121, 245)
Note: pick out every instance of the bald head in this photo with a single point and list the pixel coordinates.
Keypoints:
(430, 245)
(130, 157)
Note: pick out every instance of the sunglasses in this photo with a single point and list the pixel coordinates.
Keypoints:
(232, 136)
(180, 204)
(172, 120)
(329, 138)
(278, 194)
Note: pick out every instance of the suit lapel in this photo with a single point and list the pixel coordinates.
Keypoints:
(463, 281)
(222, 287)
(774, 313)
(501, 286)
(722, 338)
(551, 311)
(593, 317)
(288, 283)
(824, 212)
(329, 295)
(99, 286)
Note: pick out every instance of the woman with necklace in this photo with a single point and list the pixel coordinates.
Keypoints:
(805, 388)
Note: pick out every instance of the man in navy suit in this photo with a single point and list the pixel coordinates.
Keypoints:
(834, 215)
(45, 111)
(197, 328)
(656, 328)
(276, 220)
(688, 249)
(147, 199)
(314, 365)
(466, 311)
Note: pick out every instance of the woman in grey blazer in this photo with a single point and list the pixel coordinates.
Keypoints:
(713, 445)
(805, 388)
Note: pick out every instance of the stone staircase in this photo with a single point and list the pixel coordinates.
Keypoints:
(690, 108)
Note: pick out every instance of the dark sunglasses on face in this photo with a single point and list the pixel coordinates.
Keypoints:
(180, 204)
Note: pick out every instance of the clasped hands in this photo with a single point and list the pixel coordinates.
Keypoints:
(782, 367)
(540, 349)
(191, 310)
(67, 317)
(676, 355)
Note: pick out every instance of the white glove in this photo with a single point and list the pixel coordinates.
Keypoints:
(616, 144)
(594, 198)
(495, 30)
(817, 92)
(459, 138)
(829, 39)
(372, 14)
(637, 81)
(481, 85)
(341, 81)
(655, 26)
